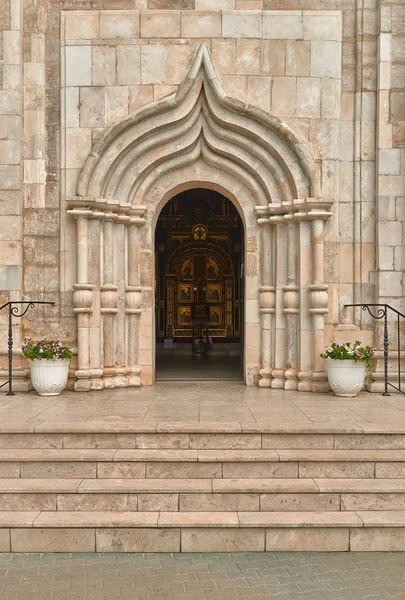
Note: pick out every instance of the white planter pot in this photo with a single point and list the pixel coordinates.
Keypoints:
(346, 377)
(49, 377)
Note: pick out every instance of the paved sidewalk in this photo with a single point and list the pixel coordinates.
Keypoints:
(283, 576)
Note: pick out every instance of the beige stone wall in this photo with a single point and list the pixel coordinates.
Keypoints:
(11, 157)
(391, 153)
(286, 63)
(332, 70)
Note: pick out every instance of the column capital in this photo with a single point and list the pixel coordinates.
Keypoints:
(102, 209)
(298, 209)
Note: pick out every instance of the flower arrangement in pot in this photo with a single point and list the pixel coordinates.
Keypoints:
(49, 365)
(347, 366)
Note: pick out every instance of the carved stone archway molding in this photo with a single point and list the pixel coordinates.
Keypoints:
(200, 137)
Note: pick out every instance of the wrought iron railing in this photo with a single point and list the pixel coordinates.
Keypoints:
(14, 310)
(382, 313)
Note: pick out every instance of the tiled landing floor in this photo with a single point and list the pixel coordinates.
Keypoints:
(282, 576)
(207, 403)
(185, 368)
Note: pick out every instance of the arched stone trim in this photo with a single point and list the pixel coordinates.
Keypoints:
(199, 118)
(199, 137)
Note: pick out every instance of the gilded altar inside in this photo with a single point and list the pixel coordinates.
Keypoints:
(199, 263)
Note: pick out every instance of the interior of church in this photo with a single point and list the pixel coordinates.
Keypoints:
(199, 288)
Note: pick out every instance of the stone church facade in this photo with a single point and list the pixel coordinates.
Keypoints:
(294, 110)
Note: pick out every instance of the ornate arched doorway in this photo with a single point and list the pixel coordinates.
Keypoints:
(200, 138)
(199, 262)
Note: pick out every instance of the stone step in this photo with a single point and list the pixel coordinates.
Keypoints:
(183, 485)
(197, 436)
(100, 531)
(171, 455)
(113, 463)
(202, 495)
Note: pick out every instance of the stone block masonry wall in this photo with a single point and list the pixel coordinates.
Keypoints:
(287, 64)
(29, 171)
(390, 193)
(298, 65)
(11, 176)
(333, 70)
(391, 153)
(41, 210)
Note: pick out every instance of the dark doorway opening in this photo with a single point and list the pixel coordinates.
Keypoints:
(199, 257)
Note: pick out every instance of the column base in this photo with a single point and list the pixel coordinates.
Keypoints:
(320, 382)
(134, 381)
(265, 380)
(88, 379)
(305, 381)
(278, 380)
(82, 385)
(121, 382)
(109, 383)
(97, 384)
(291, 379)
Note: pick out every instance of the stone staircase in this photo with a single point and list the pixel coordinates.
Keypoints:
(122, 486)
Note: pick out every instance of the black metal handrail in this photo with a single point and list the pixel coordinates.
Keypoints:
(382, 313)
(13, 312)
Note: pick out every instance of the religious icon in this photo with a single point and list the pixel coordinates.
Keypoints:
(215, 315)
(187, 269)
(213, 292)
(200, 232)
(212, 269)
(185, 293)
(185, 315)
(200, 312)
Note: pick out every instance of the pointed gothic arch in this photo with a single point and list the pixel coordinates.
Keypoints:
(200, 134)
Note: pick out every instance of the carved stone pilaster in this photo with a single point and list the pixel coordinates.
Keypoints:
(291, 300)
(279, 367)
(318, 299)
(133, 298)
(109, 299)
(83, 299)
(304, 317)
(318, 306)
(267, 303)
(83, 308)
(109, 308)
(133, 309)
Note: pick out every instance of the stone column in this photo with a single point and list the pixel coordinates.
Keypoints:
(109, 305)
(318, 306)
(83, 303)
(120, 324)
(267, 301)
(133, 302)
(291, 308)
(305, 341)
(278, 373)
